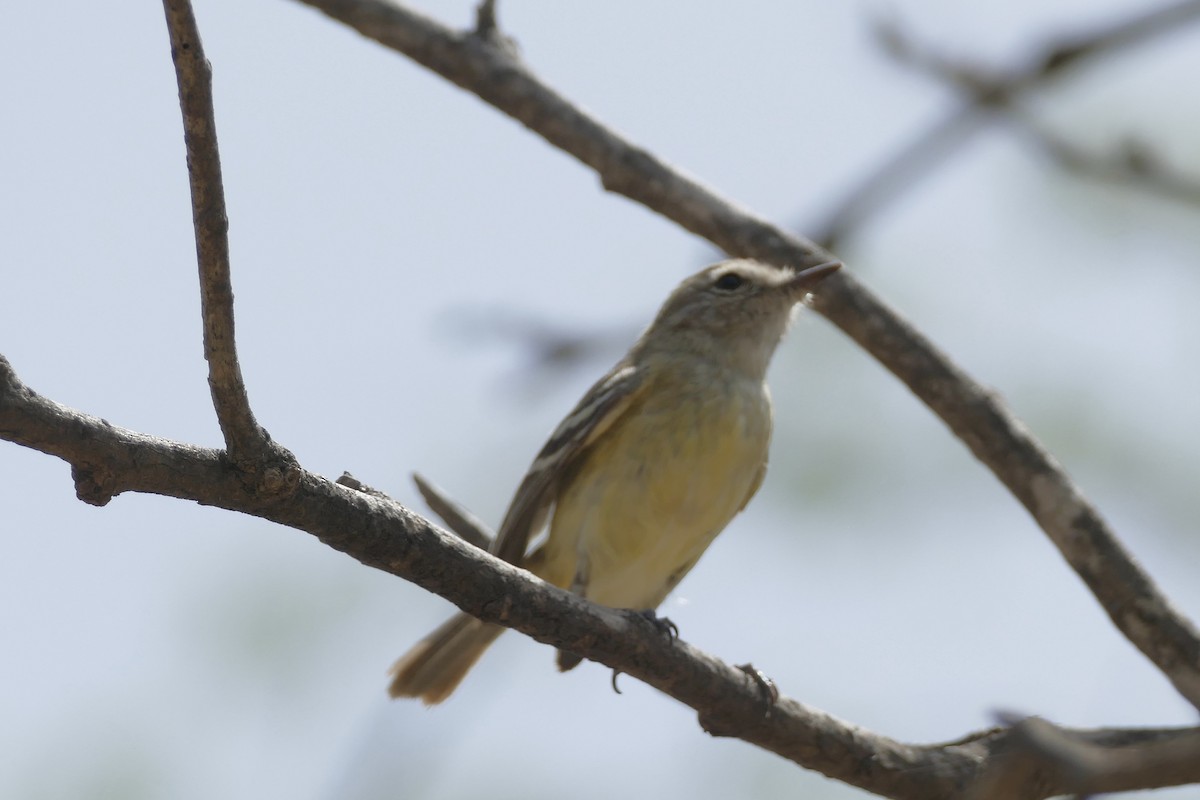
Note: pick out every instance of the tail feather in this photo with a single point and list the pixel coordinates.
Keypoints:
(438, 663)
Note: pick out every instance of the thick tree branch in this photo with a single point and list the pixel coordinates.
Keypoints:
(107, 460)
(976, 415)
(248, 444)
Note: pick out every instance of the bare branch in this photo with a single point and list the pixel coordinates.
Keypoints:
(1034, 754)
(386, 536)
(899, 173)
(107, 460)
(247, 443)
(1131, 163)
(99, 453)
(977, 416)
(1055, 60)
(1070, 50)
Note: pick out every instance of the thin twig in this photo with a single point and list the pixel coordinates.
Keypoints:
(1055, 60)
(485, 19)
(247, 443)
(898, 174)
(457, 518)
(976, 415)
(1131, 163)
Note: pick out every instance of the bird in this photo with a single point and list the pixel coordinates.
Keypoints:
(648, 468)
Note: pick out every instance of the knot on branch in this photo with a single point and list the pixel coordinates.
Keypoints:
(273, 476)
(95, 484)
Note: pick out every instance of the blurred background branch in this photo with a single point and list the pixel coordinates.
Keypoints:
(998, 95)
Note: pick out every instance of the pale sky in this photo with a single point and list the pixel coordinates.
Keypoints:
(382, 220)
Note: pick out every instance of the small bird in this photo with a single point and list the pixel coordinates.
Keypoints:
(653, 463)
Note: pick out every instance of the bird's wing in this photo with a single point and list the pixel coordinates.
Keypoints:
(603, 404)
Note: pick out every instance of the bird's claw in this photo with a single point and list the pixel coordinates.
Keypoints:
(662, 624)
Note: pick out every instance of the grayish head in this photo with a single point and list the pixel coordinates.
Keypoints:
(734, 311)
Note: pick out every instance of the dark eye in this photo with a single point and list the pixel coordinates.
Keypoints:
(729, 282)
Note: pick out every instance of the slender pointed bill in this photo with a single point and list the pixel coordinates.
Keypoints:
(804, 281)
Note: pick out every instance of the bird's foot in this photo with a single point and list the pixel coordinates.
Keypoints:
(662, 624)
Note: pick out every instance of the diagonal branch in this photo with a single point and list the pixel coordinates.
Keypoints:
(976, 415)
(384, 535)
(247, 443)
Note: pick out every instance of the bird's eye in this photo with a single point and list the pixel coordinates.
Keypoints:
(729, 282)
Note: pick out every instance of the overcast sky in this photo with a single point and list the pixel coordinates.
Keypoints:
(389, 232)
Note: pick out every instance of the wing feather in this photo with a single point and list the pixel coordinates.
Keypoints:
(603, 404)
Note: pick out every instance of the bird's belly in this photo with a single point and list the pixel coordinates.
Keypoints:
(653, 495)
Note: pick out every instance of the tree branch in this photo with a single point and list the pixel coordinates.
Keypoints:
(248, 445)
(107, 460)
(1130, 162)
(1055, 60)
(976, 415)
(1035, 753)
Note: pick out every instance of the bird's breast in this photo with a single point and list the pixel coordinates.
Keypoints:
(660, 485)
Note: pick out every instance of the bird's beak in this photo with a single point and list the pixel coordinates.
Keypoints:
(806, 280)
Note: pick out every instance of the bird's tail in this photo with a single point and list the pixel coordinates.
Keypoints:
(439, 662)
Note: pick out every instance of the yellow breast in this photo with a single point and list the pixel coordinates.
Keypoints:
(653, 493)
